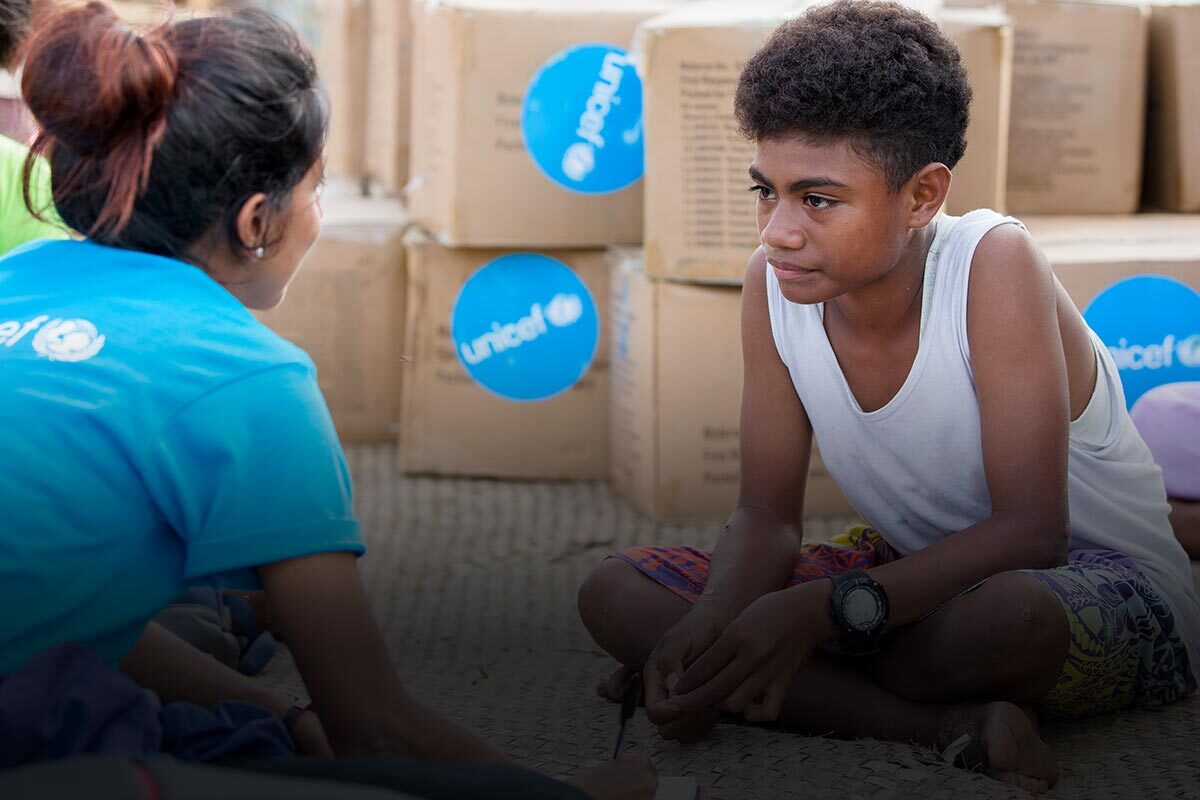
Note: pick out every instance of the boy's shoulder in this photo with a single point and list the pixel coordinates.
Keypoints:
(1004, 245)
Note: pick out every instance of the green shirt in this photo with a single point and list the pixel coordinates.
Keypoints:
(17, 225)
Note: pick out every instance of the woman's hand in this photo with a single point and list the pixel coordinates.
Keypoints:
(631, 777)
(752, 666)
(309, 736)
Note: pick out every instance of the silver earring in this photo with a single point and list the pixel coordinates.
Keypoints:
(260, 251)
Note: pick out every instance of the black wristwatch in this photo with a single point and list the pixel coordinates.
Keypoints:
(859, 609)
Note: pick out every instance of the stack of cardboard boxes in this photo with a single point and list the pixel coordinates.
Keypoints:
(519, 125)
(1084, 114)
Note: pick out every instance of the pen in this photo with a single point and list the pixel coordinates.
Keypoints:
(629, 704)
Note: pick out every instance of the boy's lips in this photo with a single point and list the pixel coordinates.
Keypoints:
(787, 269)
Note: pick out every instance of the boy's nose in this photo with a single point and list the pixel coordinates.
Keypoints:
(782, 234)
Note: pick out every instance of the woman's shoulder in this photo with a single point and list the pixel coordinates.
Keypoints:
(158, 317)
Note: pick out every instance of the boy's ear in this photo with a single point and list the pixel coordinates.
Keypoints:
(927, 191)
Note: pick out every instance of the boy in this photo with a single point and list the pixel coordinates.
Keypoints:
(962, 404)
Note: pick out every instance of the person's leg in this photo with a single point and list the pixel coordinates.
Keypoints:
(627, 613)
(1185, 521)
(423, 779)
(1006, 640)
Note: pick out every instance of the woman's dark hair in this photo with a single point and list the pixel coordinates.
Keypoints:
(14, 24)
(155, 139)
(876, 74)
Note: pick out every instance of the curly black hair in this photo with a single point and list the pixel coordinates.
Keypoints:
(877, 74)
(14, 24)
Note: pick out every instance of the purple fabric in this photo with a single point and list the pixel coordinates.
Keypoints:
(66, 701)
(1168, 417)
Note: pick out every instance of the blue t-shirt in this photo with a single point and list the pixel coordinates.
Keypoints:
(153, 434)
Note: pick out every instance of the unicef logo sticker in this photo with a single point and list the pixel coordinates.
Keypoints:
(525, 327)
(67, 340)
(582, 119)
(1151, 325)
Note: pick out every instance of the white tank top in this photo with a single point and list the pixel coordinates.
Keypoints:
(914, 468)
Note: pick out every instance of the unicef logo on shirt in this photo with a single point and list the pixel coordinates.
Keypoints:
(68, 340)
(582, 119)
(525, 327)
(1151, 325)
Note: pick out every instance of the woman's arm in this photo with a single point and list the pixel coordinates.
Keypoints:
(174, 670)
(319, 605)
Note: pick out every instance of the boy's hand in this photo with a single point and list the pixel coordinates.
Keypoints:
(751, 667)
(678, 648)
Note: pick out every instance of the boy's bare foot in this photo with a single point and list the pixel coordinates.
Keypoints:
(614, 688)
(1004, 742)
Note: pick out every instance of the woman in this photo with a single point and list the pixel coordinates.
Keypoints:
(157, 433)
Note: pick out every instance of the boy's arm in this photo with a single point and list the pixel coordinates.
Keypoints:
(1020, 377)
(1021, 382)
(758, 549)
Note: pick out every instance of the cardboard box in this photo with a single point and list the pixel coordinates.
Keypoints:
(676, 399)
(1151, 326)
(473, 181)
(700, 218)
(1173, 119)
(1079, 90)
(346, 309)
(342, 61)
(335, 30)
(387, 102)
(985, 39)
(1090, 253)
(452, 425)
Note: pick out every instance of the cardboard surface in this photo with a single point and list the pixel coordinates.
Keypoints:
(676, 405)
(387, 95)
(342, 61)
(1091, 253)
(345, 308)
(1173, 117)
(453, 426)
(1079, 88)
(473, 182)
(985, 39)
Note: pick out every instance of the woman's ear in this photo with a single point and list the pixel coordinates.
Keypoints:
(928, 190)
(252, 222)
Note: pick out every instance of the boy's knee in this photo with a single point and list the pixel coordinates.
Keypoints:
(1025, 625)
(600, 592)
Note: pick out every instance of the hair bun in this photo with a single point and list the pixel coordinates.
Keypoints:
(102, 91)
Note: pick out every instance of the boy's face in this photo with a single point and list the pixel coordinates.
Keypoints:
(828, 221)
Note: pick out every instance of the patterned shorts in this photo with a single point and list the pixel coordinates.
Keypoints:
(1124, 651)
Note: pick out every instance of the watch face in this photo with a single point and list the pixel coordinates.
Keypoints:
(861, 608)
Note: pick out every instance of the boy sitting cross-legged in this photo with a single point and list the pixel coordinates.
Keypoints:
(1018, 558)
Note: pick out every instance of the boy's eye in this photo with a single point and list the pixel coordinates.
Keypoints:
(764, 193)
(816, 201)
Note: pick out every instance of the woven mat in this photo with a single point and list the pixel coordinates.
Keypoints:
(474, 585)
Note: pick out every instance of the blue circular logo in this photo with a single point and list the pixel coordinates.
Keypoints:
(525, 327)
(582, 119)
(1151, 325)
